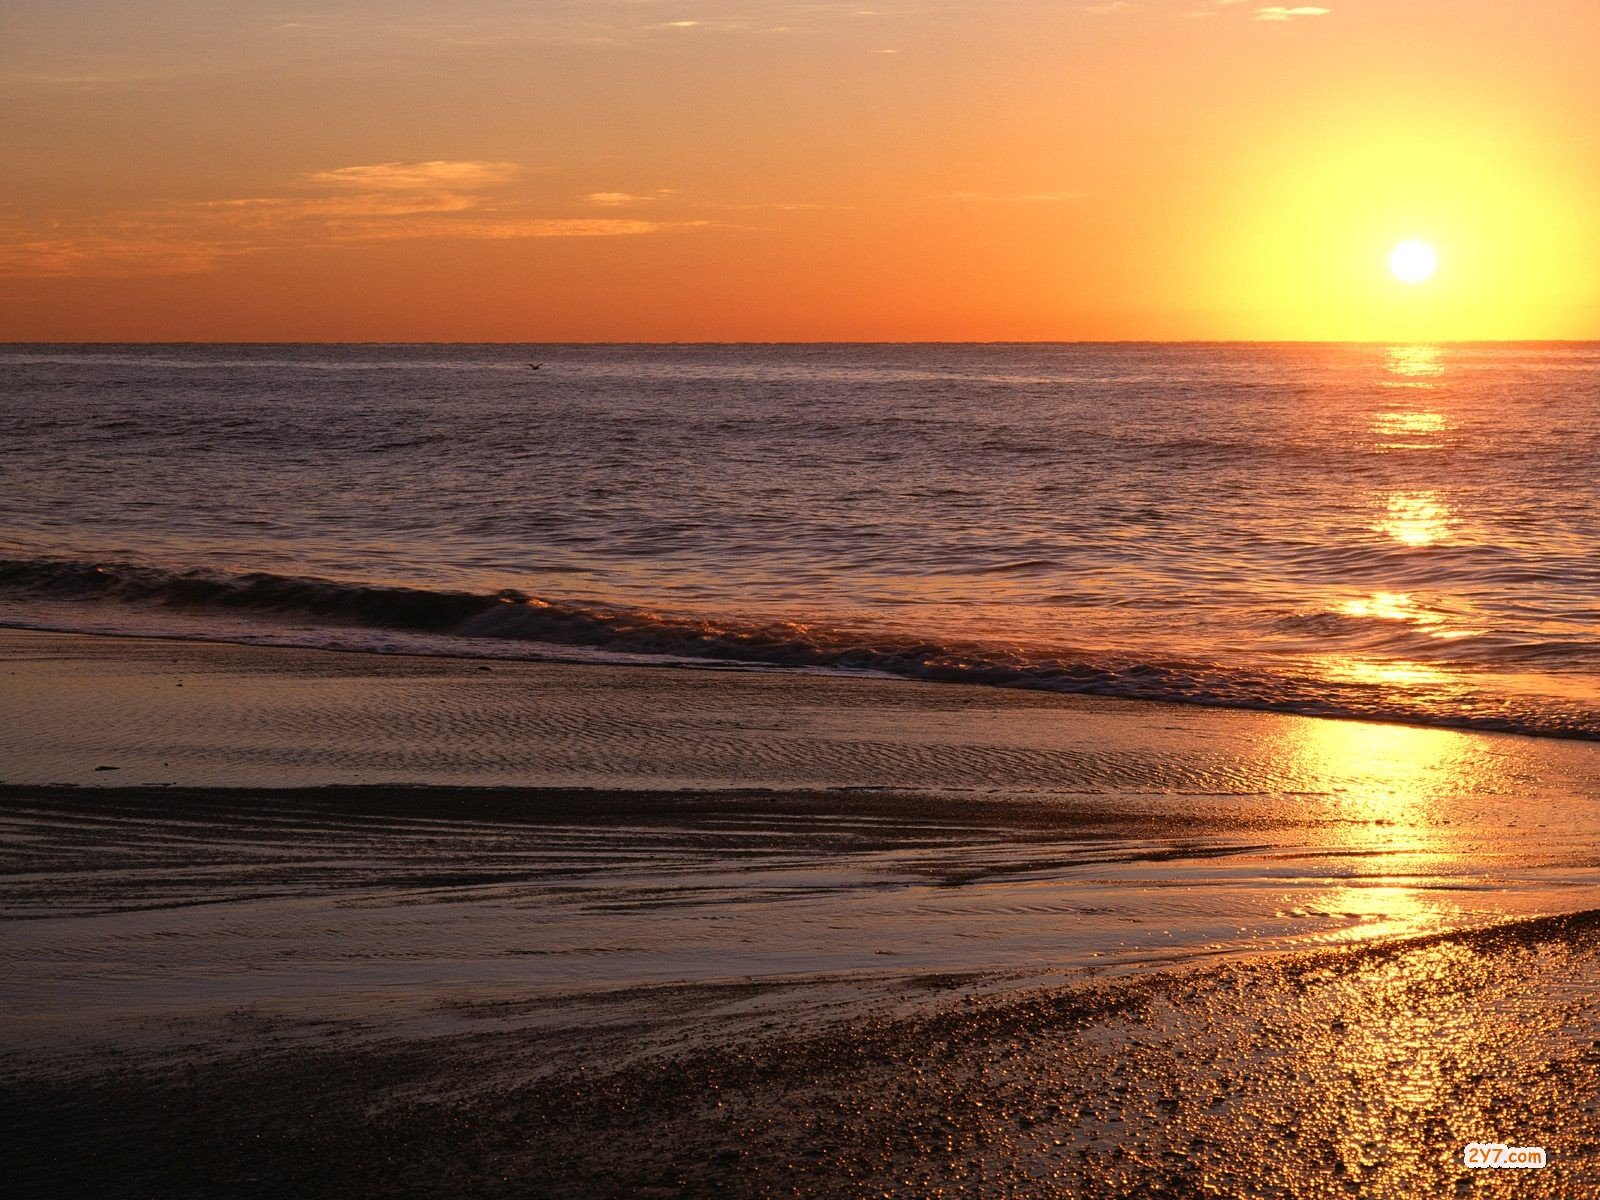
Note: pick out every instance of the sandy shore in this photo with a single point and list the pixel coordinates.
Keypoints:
(1355, 1072)
(318, 924)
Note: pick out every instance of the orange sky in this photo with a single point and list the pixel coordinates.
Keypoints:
(510, 170)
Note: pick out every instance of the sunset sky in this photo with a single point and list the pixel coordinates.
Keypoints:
(757, 169)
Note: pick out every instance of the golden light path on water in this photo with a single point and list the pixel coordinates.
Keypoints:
(1416, 518)
(1389, 807)
(1392, 792)
(1408, 805)
(1413, 519)
(1414, 362)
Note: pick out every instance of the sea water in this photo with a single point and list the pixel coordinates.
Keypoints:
(1398, 532)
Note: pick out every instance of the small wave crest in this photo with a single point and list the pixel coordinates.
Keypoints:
(510, 617)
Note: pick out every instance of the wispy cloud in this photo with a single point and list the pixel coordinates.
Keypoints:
(344, 206)
(1277, 13)
(628, 199)
(375, 190)
(134, 249)
(508, 230)
(419, 176)
(273, 211)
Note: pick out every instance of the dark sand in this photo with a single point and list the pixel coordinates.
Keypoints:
(796, 936)
(1362, 1071)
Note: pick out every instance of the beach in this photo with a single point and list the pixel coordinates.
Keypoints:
(400, 925)
(614, 600)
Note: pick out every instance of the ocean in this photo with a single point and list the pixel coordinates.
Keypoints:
(1406, 533)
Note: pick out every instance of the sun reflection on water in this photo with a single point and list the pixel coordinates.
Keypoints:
(1390, 606)
(1415, 518)
(1414, 362)
(1385, 792)
(1405, 829)
(1389, 673)
(1416, 426)
(1387, 772)
(1412, 424)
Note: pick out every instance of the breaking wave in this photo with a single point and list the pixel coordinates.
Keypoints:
(486, 624)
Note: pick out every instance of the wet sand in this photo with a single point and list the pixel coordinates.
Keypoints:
(345, 924)
(1361, 1071)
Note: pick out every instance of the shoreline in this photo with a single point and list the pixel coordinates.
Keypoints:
(342, 923)
(20, 642)
(1220, 826)
(445, 620)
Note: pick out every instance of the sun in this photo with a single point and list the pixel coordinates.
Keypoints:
(1413, 262)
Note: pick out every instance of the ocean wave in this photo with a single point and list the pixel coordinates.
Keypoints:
(513, 618)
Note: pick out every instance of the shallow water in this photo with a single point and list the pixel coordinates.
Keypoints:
(128, 910)
(1408, 532)
(594, 829)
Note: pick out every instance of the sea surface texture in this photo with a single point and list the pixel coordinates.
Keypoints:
(1399, 532)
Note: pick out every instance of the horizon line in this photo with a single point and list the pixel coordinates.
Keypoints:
(832, 342)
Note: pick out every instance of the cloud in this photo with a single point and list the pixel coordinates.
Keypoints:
(378, 190)
(1289, 14)
(509, 230)
(111, 255)
(1114, 6)
(629, 199)
(420, 176)
(344, 206)
(616, 199)
(275, 211)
